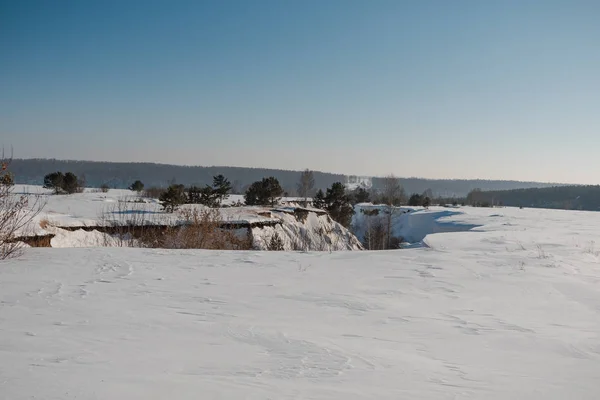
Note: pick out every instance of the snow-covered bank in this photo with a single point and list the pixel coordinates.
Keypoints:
(87, 220)
(297, 229)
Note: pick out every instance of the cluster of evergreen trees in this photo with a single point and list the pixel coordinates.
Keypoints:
(136, 186)
(336, 202)
(66, 183)
(266, 192)
(211, 196)
(419, 200)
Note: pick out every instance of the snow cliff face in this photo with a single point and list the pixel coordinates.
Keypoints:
(304, 230)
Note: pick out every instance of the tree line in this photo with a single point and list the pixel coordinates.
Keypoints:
(583, 197)
(120, 175)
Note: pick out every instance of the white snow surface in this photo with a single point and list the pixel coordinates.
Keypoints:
(508, 310)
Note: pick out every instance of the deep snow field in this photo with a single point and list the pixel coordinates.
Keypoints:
(507, 310)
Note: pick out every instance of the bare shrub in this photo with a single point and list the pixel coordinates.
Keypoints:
(378, 232)
(16, 212)
(393, 195)
(375, 237)
(306, 185)
(198, 229)
(132, 224)
(203, 229)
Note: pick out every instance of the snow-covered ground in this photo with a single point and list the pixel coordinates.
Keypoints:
(508, 310)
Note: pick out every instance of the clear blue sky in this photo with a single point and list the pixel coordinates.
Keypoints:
(440, 89)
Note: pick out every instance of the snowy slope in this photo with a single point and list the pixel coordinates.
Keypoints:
(508, 310)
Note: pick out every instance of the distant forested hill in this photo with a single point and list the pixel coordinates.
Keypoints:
(560, 197)
(461, 187)
(121, 175)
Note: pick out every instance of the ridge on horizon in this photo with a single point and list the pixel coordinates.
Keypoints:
(294, 171)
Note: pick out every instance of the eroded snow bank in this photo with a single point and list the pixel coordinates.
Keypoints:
(304, 230)
(309, 231)
(409, 223)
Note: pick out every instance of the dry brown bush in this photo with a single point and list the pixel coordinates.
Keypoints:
(133, 225)
(203, 229)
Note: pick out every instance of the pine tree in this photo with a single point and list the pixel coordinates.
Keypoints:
(70, 183)
(319, 200)
(415, 200)
(208, 197)
(221, 187)
(265, 192)
(54, 181)
(426, 202)
(338, 204)
(172, 198)
(136, 186)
